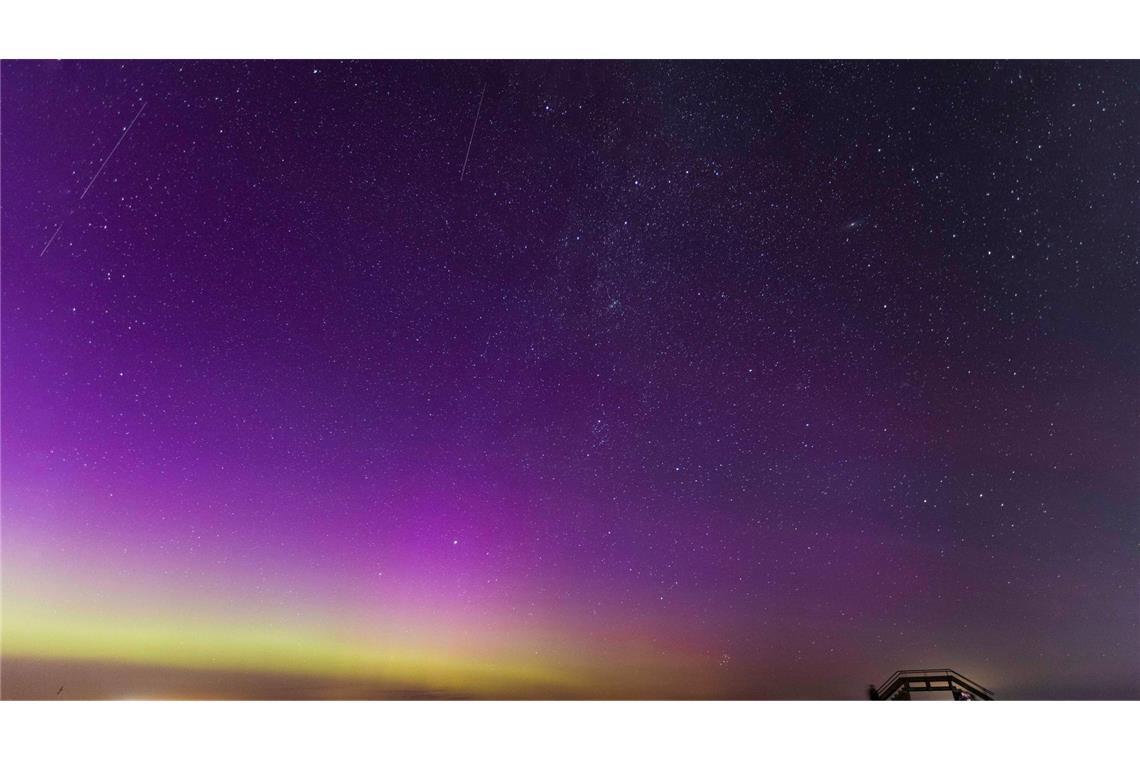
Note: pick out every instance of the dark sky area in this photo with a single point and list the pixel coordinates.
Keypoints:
(609, 379)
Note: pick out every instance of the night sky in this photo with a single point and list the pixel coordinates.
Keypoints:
(568, 379)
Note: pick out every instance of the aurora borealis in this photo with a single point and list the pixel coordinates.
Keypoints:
(705, 380)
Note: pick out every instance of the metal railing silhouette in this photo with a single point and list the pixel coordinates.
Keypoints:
(903, 682)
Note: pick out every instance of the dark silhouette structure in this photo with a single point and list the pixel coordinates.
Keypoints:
(903, 683)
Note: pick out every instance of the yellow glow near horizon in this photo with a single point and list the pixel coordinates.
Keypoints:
(113, 613)
(245, 647)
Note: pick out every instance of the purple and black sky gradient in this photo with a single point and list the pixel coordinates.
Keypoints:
(706, 379)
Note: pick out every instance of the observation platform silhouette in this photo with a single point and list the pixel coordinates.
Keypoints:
(903, 683)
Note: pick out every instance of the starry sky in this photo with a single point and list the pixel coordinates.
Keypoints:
(569, 379)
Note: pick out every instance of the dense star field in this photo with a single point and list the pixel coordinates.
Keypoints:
(525, 379)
